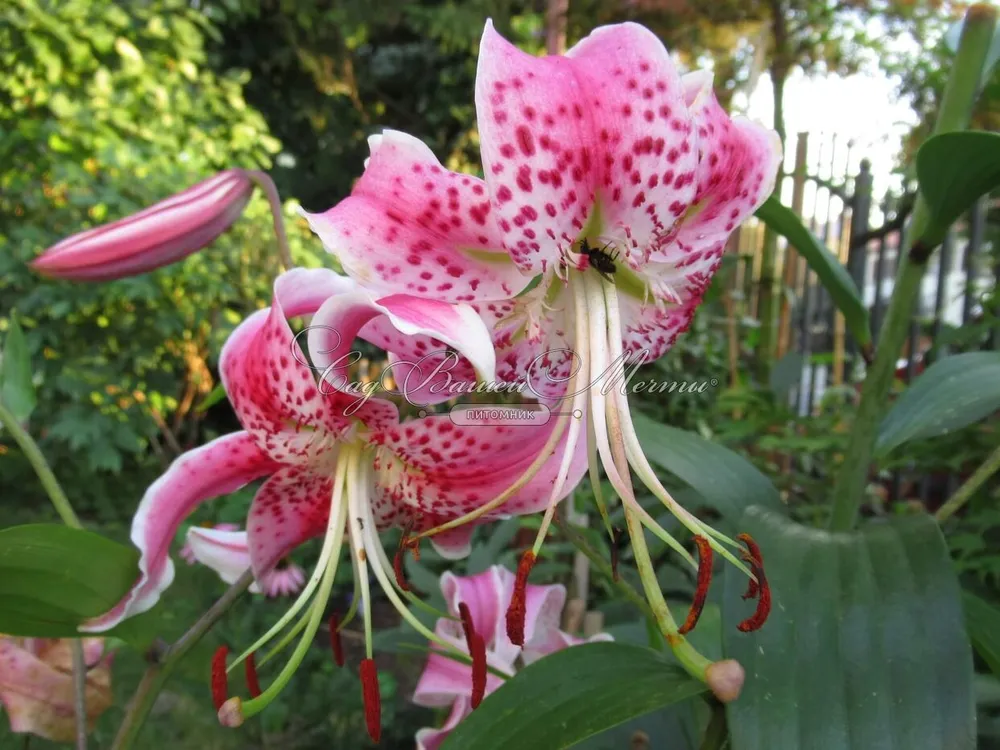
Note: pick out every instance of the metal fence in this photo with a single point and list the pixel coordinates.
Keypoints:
(831, 186)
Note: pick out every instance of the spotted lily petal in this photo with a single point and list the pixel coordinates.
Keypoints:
(411, 226)
(217, 468)
(341, 319)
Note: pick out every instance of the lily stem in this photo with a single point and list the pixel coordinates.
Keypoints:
(159, 671)
(956, 108)
(41, 467)
(988, 468)
(265, 183)
(80, 693)
(65, 510)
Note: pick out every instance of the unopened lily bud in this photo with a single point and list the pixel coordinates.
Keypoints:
(156, 236)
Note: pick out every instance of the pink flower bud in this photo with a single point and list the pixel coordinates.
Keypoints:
(156, 236)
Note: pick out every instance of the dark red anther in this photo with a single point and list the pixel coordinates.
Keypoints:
(751, 555)
(220, 683)
(758, 589)
(517, 610)
(467, 626)
(372, 699)
(704, 581)
(335, 642)
(253, 684)
(477, 650)
(615, 537)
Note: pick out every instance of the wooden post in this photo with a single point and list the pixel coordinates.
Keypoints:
(791, 256)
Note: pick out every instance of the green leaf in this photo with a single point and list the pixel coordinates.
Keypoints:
(727, 481)
(953, 393)
(953, 170)
(865, 647)
(53, 577)
(572, 695)
(982, 621)
(831, 273)
(214, 396)
(17, 392)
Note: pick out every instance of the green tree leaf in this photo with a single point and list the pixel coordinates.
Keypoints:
(829, 270)
(52, 578)
(865, 647)
(953, 170)
(727, 481)
(572, 695)
(982, 621)
(17, 392)
(953, 393)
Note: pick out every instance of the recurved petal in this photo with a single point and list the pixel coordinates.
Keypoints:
(487, 595)
(411, 226)
(341, 319)
(433, 470)
(225, 552)
(217, 468)
(738, 166)
(270, 382)
(432, 739)
(557, 640)
(290, 508)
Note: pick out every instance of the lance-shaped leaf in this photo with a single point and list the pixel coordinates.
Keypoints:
(52, 578)
(17, 392)
(831, 273)
(953, 393)
(727, 481)
(954, 169)
(571, 695)
(982, 620)
(865, 647)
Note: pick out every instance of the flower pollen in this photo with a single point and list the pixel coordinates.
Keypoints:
(704, 581)
(220, 683)
(518, 608)
(372, 699)
(253, 684)
(335, 642)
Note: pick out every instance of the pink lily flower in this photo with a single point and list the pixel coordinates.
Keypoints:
(339, 465)
(227, 552)
(36, 685)
(154, 237)
(187, 553)
(614, 183)
(485, 597)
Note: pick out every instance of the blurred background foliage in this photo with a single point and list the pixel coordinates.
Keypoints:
(106, 107)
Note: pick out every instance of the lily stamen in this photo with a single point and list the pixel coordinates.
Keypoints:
(253, 684)
(220, 683)
(372, 698)
(336, 644)
(704, 581)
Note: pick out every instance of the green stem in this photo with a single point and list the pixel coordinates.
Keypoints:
(989, 467)
(159, 671)
(41, 467)
(956, 108)
(80, 693)
(266, 184)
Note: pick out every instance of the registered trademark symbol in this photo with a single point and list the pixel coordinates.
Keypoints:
(714, 382)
